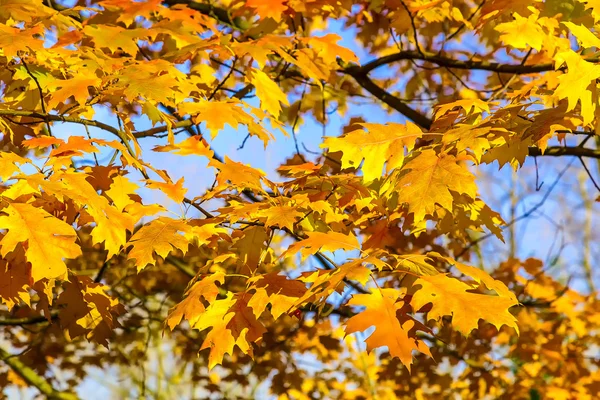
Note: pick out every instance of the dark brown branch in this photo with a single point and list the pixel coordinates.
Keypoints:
(363, 80)
(565, 151)
(453, 63)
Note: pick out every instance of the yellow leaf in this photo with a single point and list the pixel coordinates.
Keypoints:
(120, 190)
(381, 308)
(192, 307)
(319, 241)
(175, 191)
(382, 144)
(522, 32)
(583, 34)
(49, 240)
(268, 8)
(160, 236)
(269, 93)
(575, 83)
(281, 216)
(430, 179)
(449, 296)
(193, 145)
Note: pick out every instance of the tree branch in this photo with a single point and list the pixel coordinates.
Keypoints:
(33, 378)
(363, 80)
(565, 151)
(27, 321)
(447, 62)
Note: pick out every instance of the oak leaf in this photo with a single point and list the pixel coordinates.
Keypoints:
(379, 145)
(48, 239)
(430, 179)
(450, 296)
(160, 236)
(320, 241)
(380, 311)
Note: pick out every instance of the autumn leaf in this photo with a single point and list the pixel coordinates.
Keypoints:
(14, 284)
(380, 311)
(175, 191)
(47, 239)
(574, 85)
(319, 241)
(522, 32)
(429, 180)
(268, 8)
(160, 236)
(282, 216)
(379, 145)
(268, 92)
(120, 190)
(193, 145)
(450, 296)
(192, 306)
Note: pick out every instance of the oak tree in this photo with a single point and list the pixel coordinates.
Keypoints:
(136, 244)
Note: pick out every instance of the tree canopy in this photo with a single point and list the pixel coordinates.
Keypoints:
(140, 252)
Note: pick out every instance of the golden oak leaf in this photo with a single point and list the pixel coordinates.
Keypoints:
(20, 188)
(583, 35)
(216, 114)
(42, 142)
(74, 147)
(278, 290)
(429, 179)
(450, 296)
(76, 87)
(193, 145)
(238, 175)
(381, 308)
(111, 224)
(149, 82)
(466, 137)
(219, 340)
(160, 236)
(269, 93)
(192, 306)
(416, 263)
(175, 191)
(201, 232)
(319, 241)
(8, 164)
(119, 191)
(49, 239)
(522, 32)
(268, 8)
(323, 283)
(23, 10)
(576, 83)
(379, 145)
(468, 105)
(482, 277)
(327, 48)
(281, 216)
(114, 38)
(14, 40)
